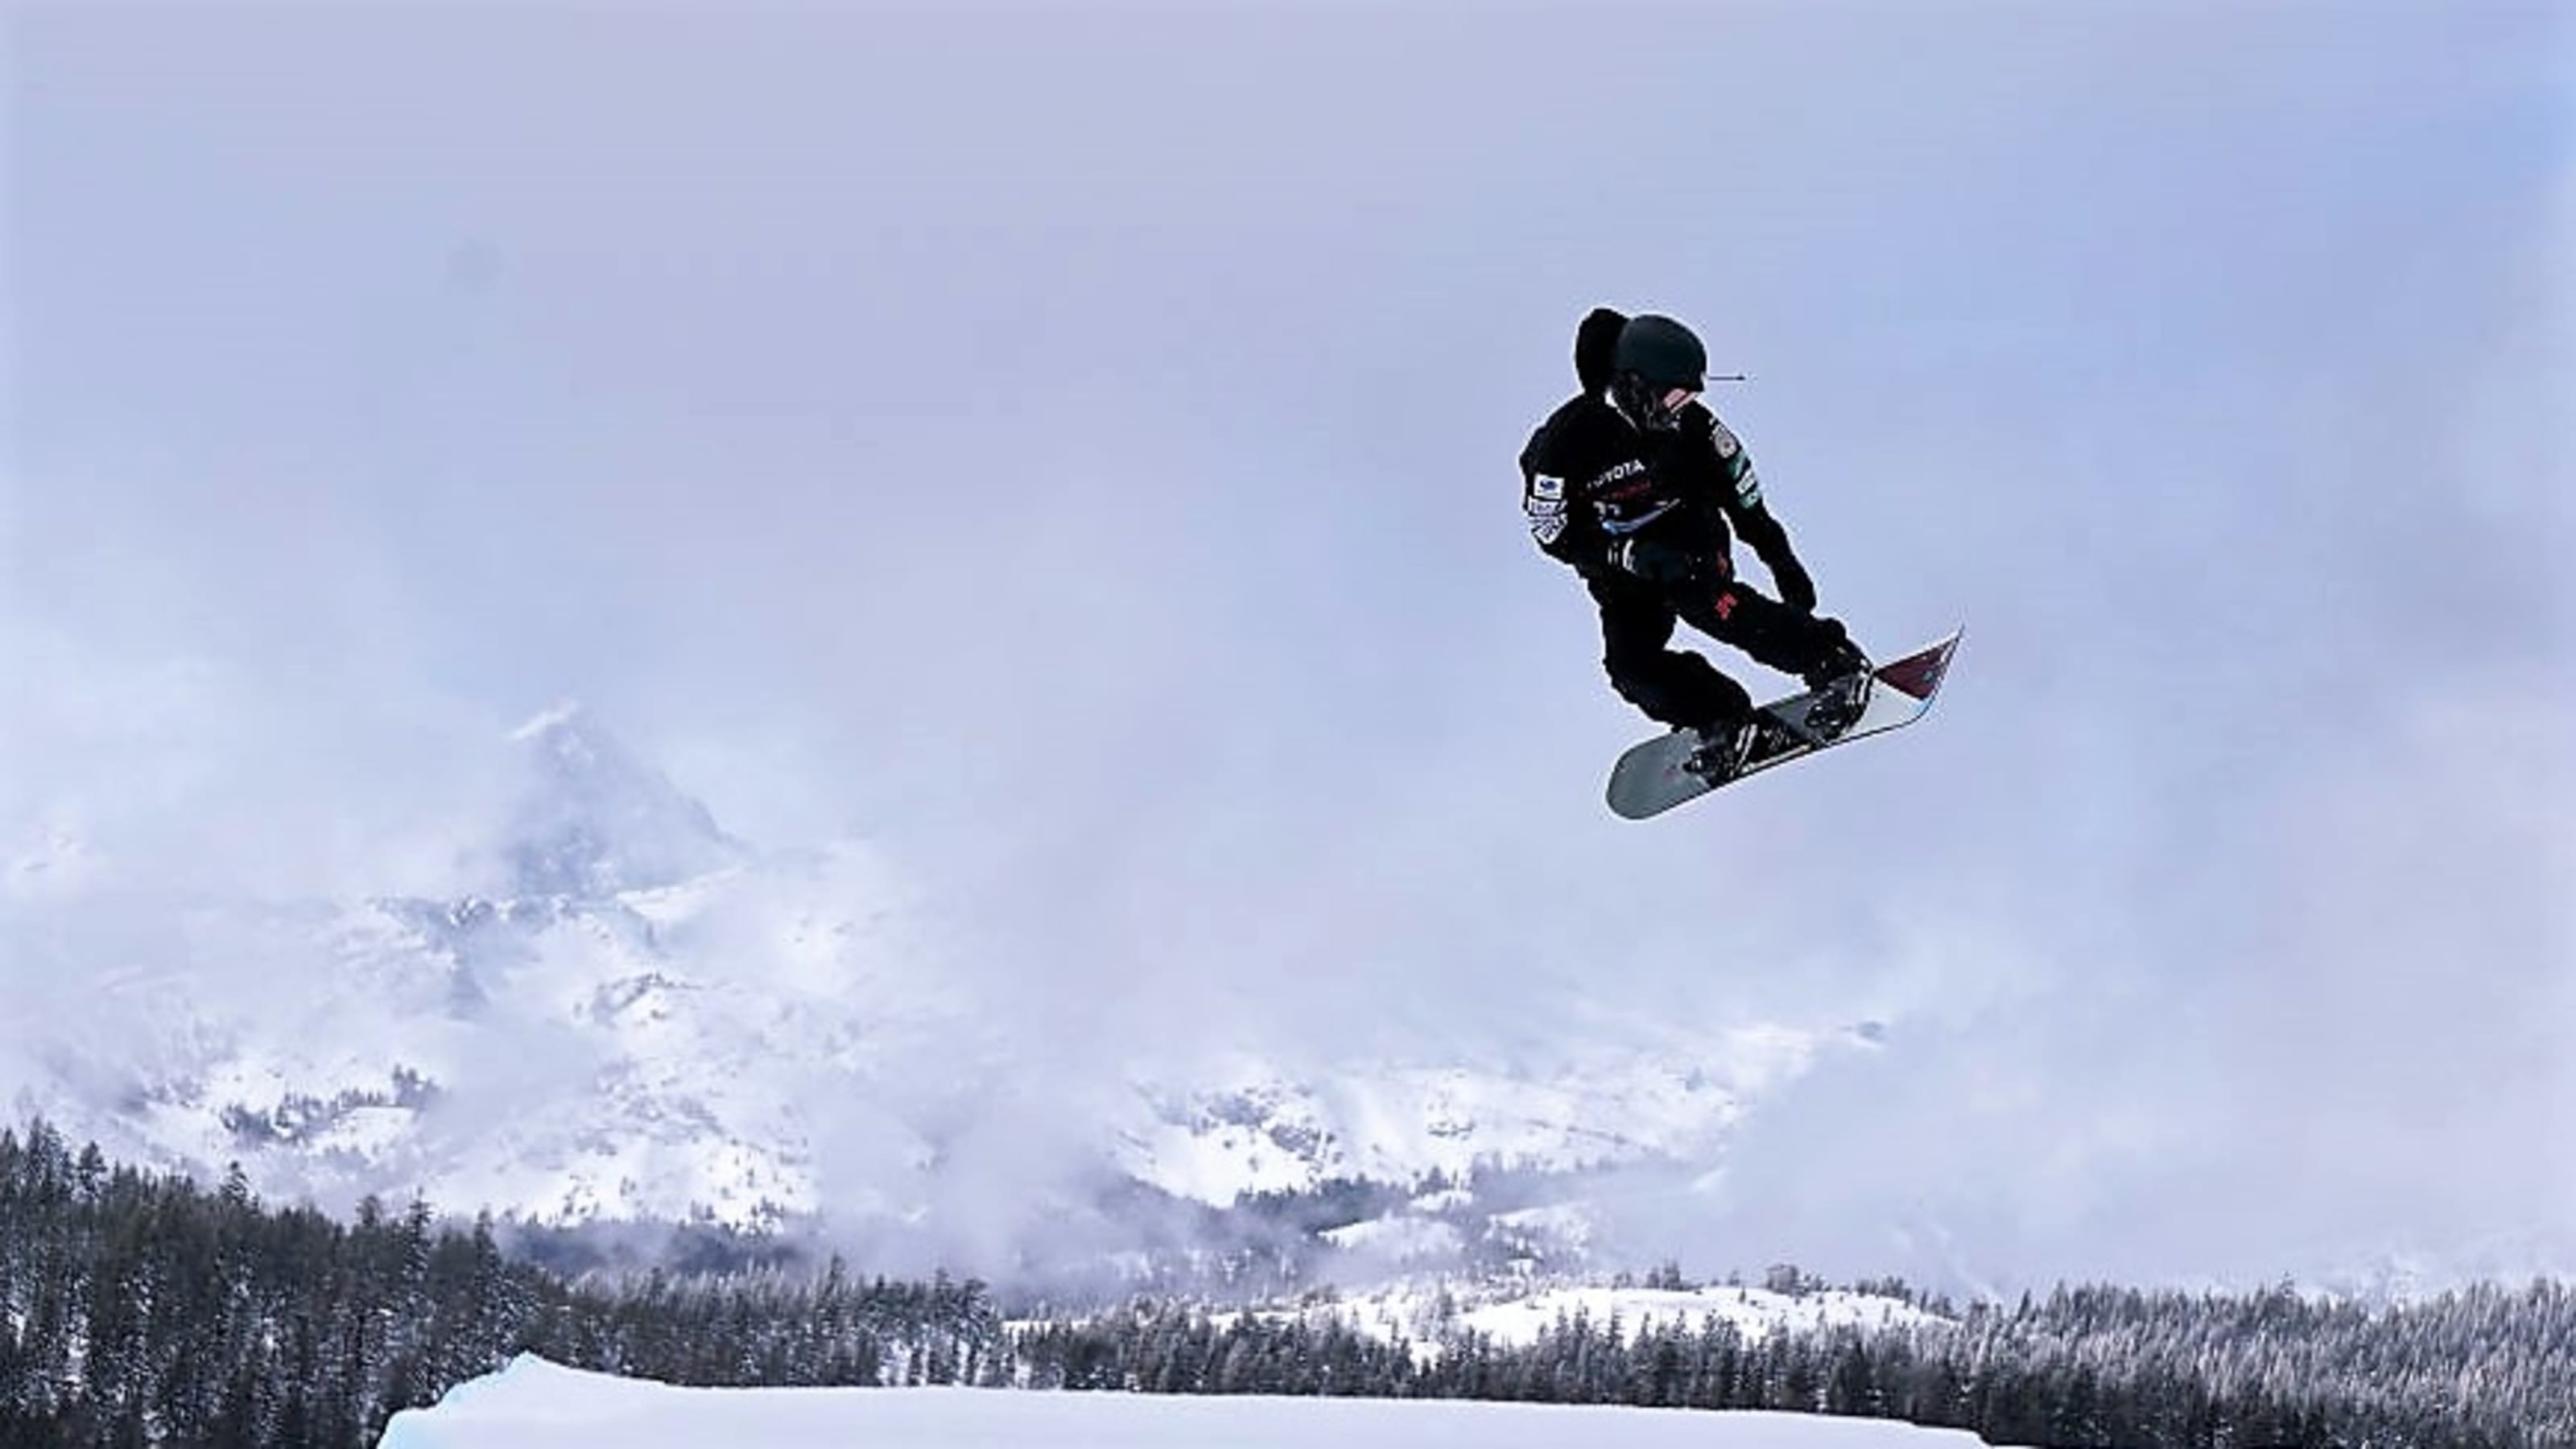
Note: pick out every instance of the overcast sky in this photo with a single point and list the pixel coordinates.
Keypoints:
(1074, 447)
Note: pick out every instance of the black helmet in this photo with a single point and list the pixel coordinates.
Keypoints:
(1661, 350)
(1655, 356)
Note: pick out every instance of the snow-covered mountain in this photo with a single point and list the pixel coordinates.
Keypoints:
(598, 822)
(1242, 1126)
(652, 1020)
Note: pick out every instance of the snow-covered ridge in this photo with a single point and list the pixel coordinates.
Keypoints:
(1245, 1126)
(1426, 1311)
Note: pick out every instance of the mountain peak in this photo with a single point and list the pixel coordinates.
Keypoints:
(593, 819)
(554, 721)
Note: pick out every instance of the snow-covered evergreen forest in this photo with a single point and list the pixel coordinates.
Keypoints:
(138, 1308)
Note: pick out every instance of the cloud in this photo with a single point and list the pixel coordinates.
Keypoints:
(1102, 500)
(190, 775)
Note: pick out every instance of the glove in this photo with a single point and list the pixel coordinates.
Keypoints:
(1796, 589)
(1658, 562)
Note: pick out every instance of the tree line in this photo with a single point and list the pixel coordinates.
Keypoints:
(2482, 1368)
(143, 1309)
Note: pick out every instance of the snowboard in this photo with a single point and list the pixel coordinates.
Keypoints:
(1652, 777)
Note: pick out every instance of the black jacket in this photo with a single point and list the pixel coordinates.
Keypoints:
(1590, 479)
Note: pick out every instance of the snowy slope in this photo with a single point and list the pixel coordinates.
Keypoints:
(1428, 1310)
(1242, 1125)
(538, 1405)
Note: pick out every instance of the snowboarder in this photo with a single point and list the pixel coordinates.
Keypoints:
(1639, 487)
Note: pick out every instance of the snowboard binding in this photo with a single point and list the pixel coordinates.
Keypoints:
(1837, 705)
(1727, 751)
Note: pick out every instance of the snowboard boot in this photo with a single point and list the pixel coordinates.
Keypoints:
(1840, 690)
(1727, 750)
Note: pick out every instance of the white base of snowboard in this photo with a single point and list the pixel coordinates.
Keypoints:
(1651, 779)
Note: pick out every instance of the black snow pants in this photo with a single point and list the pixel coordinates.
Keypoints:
(1679, 687)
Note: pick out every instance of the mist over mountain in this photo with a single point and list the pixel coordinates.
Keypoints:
(596, 821)
(649, 1020)
(621, 1013)
(1079, 575)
